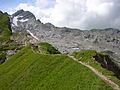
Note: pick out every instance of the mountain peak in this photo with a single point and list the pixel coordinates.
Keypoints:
(20, 17)
(25, 14)
(6, 14)
(18, 12)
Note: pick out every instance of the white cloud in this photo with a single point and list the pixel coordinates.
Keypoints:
(83, 14)
(35, 10)
(41, 8)
(41, 3)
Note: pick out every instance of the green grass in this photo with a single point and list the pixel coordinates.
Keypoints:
(87, 57)
(4, 28)
(47, 48)
(106, 29)
(27, 70)
(94, 30)
(4, 48)
(2, 58)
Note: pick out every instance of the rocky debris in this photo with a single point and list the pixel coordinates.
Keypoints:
(23, 38)
(15, 43)
(10, 52)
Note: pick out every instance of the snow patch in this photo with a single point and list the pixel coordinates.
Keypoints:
(32, 34)
(75, 48)
(15, 19)
(20, 16)
(23, 20)
(13, 25)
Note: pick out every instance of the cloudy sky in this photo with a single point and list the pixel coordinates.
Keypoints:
(82, 14)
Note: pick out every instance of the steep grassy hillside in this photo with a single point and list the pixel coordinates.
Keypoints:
(102, 62)
(5, 31)
(29, 69)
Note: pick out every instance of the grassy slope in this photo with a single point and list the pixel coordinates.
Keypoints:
(86, 56)
(47, 48)
(5, 33)
(33, 71)
(4, 27)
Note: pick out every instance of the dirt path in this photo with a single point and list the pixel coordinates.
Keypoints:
(103, 77)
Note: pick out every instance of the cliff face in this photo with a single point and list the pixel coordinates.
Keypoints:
(107, 63)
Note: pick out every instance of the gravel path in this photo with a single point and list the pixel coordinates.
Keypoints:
(99, 74)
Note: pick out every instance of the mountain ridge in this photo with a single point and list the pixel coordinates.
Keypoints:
(67, 40)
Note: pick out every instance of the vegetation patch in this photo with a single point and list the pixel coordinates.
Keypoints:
(48, 48)
(4, 48)
(2, 58)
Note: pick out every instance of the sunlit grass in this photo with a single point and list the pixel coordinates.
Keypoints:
(27, 70)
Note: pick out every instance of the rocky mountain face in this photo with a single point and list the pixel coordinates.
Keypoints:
(67, 40)
(10, 42)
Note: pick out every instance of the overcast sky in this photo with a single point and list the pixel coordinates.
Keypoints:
(82, 14)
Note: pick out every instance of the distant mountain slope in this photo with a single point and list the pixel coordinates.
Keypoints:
(30, 70)
(65, 39)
